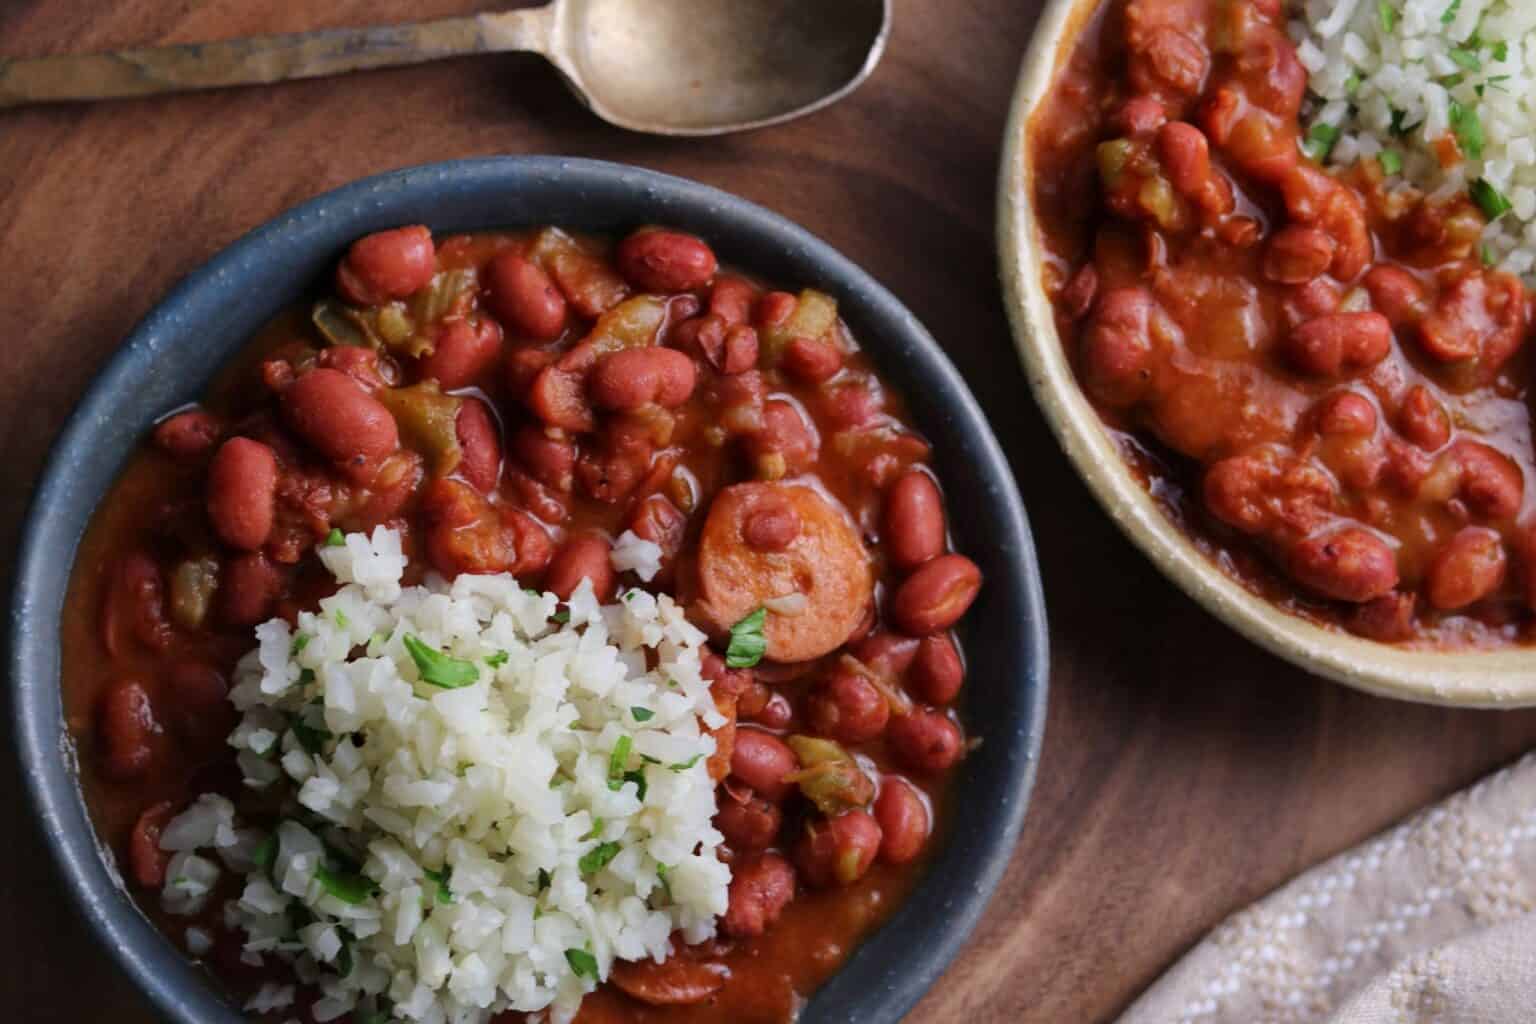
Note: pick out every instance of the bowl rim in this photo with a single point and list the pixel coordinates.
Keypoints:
(865, 988)
(1504, 678)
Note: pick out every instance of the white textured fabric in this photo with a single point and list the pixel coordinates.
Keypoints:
(1429, 923)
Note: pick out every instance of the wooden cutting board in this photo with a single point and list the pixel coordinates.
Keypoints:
(1185, 771)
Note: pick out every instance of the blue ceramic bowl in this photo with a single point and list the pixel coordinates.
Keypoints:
(173, 354)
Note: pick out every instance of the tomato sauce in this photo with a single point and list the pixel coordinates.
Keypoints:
(1315, 373)
(512, 402)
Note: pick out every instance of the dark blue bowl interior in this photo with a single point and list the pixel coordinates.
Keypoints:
(172, 355)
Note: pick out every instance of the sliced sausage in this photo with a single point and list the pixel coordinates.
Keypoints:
(826, 562)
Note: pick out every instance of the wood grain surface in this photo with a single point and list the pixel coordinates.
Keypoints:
(1185, 771)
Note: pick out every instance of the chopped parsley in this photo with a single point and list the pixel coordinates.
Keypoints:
(438, 668)
(1320, 140)
(618, 760)
(638, 778)
(642, 714)
(544, 879)
(498, 659)
(597, 858)
(341, 618)
(683, 766)
(747, 641)
(311, 737)
(582, 962)
(444, 894)
(265, 853)
(344, 885)
(299, 643)
(1501, 53)
(335, 538)
(1352, 84)
(1450, 12)
(1490, 200)
(1466, 59)
(1391, 161)
(1468, 128)
(1387, 15)
(562, 616)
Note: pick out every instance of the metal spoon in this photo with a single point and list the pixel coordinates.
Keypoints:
(669, 67)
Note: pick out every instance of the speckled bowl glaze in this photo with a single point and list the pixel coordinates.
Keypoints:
(175, 351)
(1503, 679)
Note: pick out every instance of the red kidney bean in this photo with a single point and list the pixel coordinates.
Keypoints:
(937, 672)
(784, 433)
(774, 308)
(338, 418)
(585, 556)
(1346, 414)
(1423, 420)
(248, 589)
(926, 741)
(547, 454)
(851, 406)
(242, 492)
(524, 298)
(848, 708)
(1117, 351)
(762, 761)
(190, 434)
(613, 471)
(732, 299)
(462, 353)
(1467, 569)
(887, 653)
(128, 730)
(760, 890)
(773, 527)
(904, 821)
(914, 521)
(750, 825)
(146, 861)
(531, 544)
(1388, 618)
(934, 597)
(479, 446)
(1395, 293)
(135, 605)
(1491, 482)
(387, 265)
(198, 708)
(634, 378)
(839, 850)
(657, 260)
(1185, 156)
(659, 521)
(1349, 564)
(1297, 254)
(810, 360)
(776, 712)
(741, 349)
(1139, 117)
(702, 337)
(1327, 345)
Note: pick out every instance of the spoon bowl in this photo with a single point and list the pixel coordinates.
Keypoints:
(666, 67)
(702, 67)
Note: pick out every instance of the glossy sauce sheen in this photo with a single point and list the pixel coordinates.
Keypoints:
(1315, 374)
(157, 515)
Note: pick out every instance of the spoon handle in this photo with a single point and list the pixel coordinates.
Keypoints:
(263, 59)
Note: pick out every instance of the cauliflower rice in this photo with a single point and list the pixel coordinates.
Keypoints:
(1396, 77)
(483, 807)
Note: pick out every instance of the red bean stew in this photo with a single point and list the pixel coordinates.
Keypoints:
(1319, 374)
(512, 402)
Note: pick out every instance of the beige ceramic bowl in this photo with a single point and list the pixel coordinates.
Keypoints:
(1502, 679)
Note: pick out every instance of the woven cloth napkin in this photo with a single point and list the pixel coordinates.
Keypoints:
(1429, 923)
